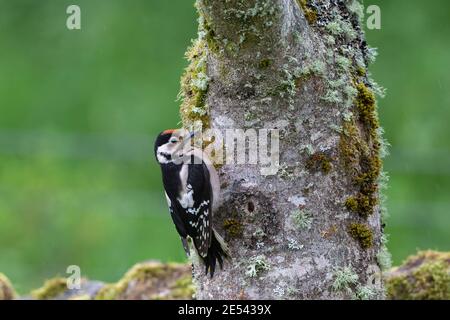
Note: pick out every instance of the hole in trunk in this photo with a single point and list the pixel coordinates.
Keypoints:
(250, 206)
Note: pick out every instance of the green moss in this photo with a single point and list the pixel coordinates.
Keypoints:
(194, 86)
(360, 71)
(371, 168)
(183, 288)
(233, 227)
(319, 161)
(108, 292)
(361, 204)
(310, 14)
(350, 145)
(361, 233)
(265, 63)
(51, 289)
(139, 272)
(210, 37)
(150, 280)
(360, 152)
(7, 291)
(81, 297)
(351, 204)
(365, 204)
(425, 276)
(365, 103)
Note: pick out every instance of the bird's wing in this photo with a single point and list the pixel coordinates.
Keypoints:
(199, 216)
(185, 246)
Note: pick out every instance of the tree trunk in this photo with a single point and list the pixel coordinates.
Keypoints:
(313, 230)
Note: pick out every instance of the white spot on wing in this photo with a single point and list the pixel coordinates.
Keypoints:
(187, 199)
(195, 211)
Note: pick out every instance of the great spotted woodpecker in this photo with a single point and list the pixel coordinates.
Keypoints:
(192, 190)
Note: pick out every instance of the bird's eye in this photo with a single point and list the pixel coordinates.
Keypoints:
(173, 140)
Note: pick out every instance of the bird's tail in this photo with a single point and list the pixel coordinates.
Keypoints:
(218, 251)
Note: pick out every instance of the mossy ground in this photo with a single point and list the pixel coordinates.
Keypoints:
(151, 280)
(51, 289)
(7, 291)
(425, 276)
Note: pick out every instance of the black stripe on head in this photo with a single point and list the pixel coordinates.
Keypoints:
(162, 138)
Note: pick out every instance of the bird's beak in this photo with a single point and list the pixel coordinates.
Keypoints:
(188, 137)
(192, 134)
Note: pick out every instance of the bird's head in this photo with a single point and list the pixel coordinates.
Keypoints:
(171, 145)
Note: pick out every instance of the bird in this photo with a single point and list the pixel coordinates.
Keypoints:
(192, 191)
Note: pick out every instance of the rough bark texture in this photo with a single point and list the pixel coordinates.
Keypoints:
(313, 230)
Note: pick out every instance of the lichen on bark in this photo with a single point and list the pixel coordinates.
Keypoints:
(300, 67)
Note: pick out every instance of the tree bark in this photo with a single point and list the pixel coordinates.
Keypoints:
(313, 230)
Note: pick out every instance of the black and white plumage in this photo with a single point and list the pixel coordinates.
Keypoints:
(192, 191)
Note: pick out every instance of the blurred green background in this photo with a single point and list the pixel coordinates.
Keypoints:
(79, 111)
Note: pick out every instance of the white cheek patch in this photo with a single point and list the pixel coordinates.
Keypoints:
(174, 150)
(159, 154)
(165, 148)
